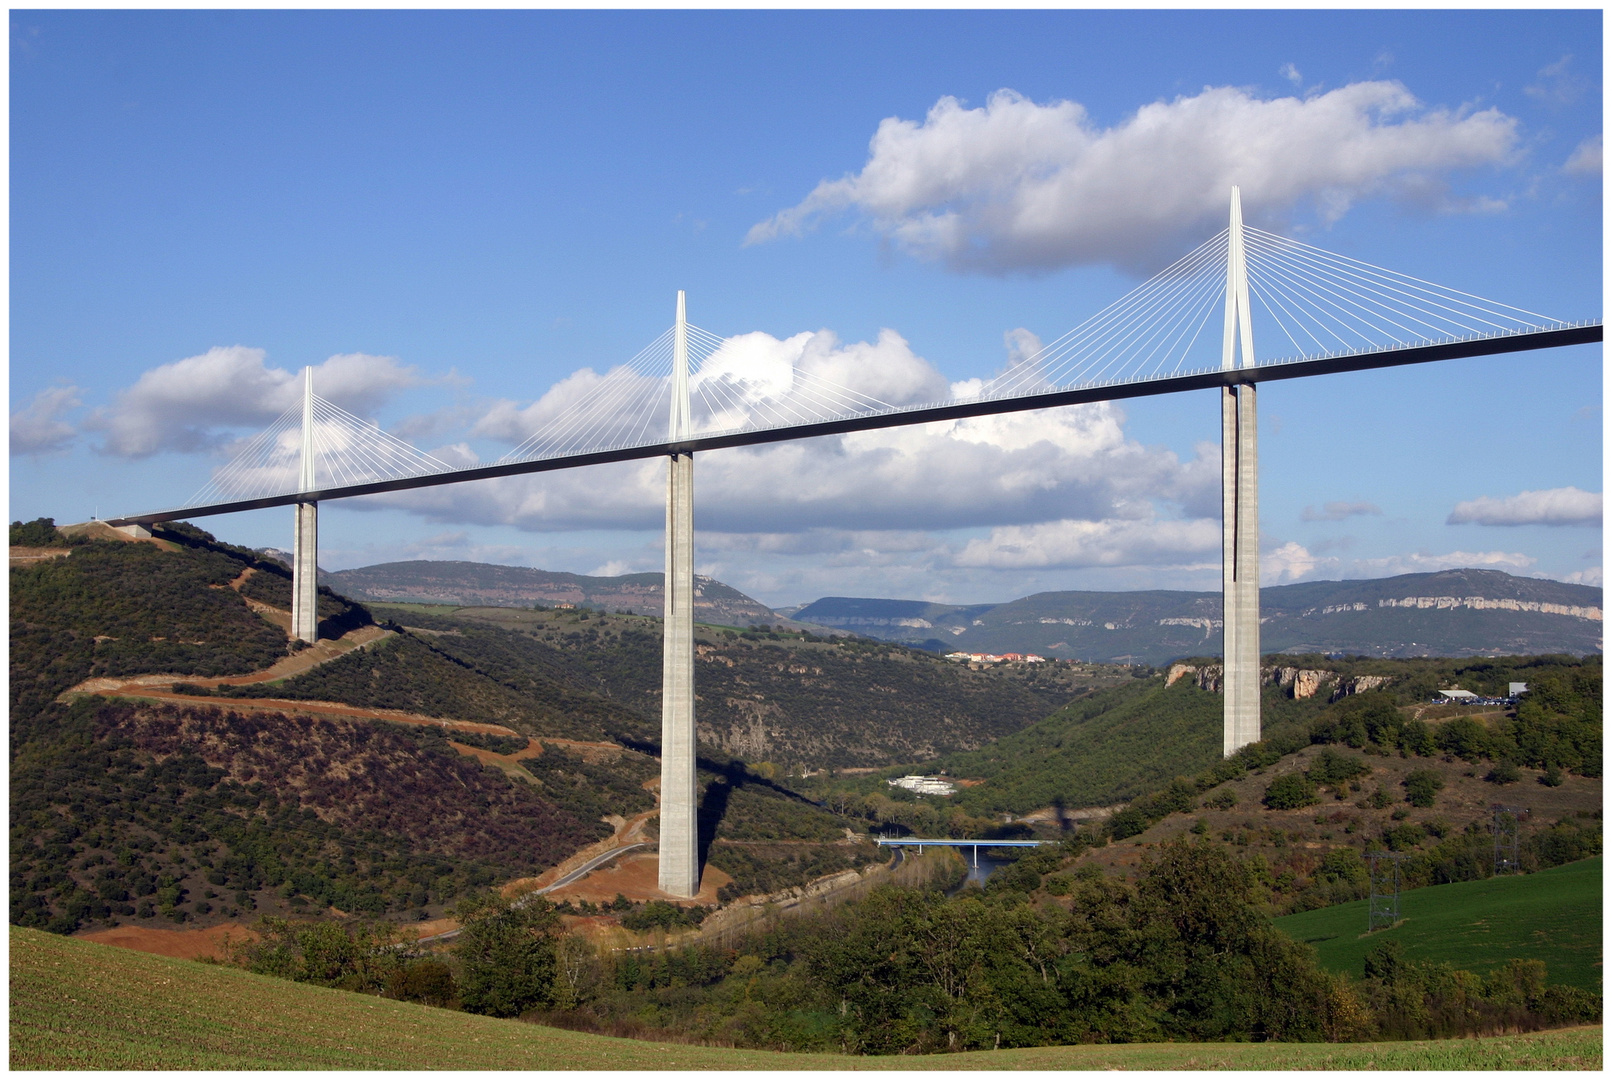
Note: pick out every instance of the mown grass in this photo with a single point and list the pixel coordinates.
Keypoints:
(1554, 916)
(77, 1005)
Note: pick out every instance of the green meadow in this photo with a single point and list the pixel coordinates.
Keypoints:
(1554, 916)
(77, 1005)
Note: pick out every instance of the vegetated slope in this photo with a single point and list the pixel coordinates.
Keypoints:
(189, 813)
(1553, 915)
(1101, 750)
(1449, 613)
(1124, 742)
(795, 700)
(77, 1005)
(157, 814)
(127, 609)
(487, 584)
(1306, 803)
(415, 673)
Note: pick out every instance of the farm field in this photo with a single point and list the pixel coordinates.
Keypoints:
(1554, 916)
(77, 1005)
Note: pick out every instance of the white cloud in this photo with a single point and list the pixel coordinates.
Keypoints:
(1290, 72)
(1586, 158)
(1420, 562)
(40, 429)
(1592, 576)
(1016, 185)
(1338, 511)
(1557, 84)
(192, 404)
(1291, 562)
(1072, 544)
(1556, 506)
(1073, 462)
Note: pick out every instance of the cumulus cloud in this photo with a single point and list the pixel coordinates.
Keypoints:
(1068, 463)
(1016, 185)
(1591, 576)
(1337, 511)
(194, 403)
(1586, 158)
(1556, 506)
(1292, 562)
(40, 429)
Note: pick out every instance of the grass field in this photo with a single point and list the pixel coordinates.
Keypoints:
(77, 1005)
(1554, 916)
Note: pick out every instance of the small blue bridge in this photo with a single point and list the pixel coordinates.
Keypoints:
(921, 842)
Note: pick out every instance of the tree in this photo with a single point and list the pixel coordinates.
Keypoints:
(506, 954)
(1289, 792)
(1422, 786)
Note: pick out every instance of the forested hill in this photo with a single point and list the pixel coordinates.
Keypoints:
(328, 786)
(1449, 613)
(486, 584)
(1127, 741)
(795, 700)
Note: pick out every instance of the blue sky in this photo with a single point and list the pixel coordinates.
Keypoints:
(470, 207)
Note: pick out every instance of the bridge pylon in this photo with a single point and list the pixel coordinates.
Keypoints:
(679, 822)
(305, 538)
(1239, 502)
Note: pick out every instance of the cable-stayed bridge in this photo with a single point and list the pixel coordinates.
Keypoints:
(1318, 313)
(692, 391)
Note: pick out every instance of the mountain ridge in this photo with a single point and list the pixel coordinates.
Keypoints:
(1463, 612)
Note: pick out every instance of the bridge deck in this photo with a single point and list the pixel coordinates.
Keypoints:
(922, 414)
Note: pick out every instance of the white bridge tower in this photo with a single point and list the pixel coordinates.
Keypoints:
(305, 541)
(1239, 500)
(679, 821)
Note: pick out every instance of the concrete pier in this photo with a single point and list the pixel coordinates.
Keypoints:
(305, 573)
(305, 534)
(679, 795)
(1239, 495)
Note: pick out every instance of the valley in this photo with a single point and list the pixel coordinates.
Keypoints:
(180, 770)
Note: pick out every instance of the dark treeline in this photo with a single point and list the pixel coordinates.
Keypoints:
(1185, 953)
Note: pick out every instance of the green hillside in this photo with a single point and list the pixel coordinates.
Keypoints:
(165, 813)
(799, 701)
(1104, 749)
(75, 1005)
(1554, 916)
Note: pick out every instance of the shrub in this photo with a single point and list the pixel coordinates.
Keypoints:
(40, 532)
(1404, 837)
(1504, 773)
(1465, 738)
(1422, 785)
(1128, 822)
(428, 982)
(1224, 799)
(1331, 767)
(1289, 792)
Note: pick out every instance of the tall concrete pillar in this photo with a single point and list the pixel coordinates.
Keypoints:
(679, 823)
(1239, 499)
(305, 538)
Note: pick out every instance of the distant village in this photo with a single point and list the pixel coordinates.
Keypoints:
(992, 658)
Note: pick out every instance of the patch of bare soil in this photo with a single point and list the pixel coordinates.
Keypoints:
(429, 927)
(100, 530)
(637, 877)
(181, 944)
(27, 556)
